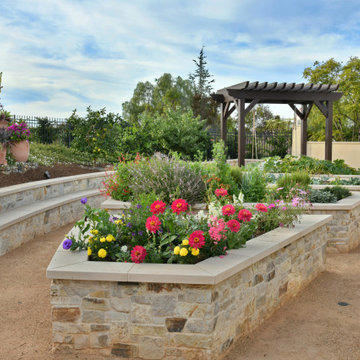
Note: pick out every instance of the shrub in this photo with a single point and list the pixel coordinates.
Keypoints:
(321, 196)
(167, 178)
(339, 191)
(298, 179)
(253, 185)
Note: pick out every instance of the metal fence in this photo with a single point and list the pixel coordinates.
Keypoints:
(47, 130)
(258, 145)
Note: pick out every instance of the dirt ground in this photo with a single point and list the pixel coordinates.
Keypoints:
(38, 174)
(310, 327)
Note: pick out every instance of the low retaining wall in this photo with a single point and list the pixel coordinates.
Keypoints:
(344, 228)
(163, 311)
(15, 196)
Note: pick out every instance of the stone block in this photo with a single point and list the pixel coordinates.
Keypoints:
(126, 351)
(175, 324)
(151, 348)
(66, 314)
(164, 305)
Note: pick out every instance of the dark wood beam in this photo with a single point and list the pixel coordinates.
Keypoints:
(281, 97)
(250, 106)
(322, 107)
(328, 131)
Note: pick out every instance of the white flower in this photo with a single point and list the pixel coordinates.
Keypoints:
(124, 248)
(214, 209)
(201, 215)
(239, 199)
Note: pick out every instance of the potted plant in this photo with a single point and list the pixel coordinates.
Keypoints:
(5, 118)
(4, 139)
(19, 141)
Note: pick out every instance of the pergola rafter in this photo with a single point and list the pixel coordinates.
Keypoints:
(244, 96)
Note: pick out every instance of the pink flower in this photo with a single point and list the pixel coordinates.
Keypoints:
(245, 215)
(295, 201)
(179, 205)
(228, 210)
(158, 207)
(221, 192)
(197, 239)
(233, 225)
(153, 223)
(261, 207)
(138, 254)
(217, 229)
(271, 206)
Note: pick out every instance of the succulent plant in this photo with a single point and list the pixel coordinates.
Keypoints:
(4, 135)
(5, 115)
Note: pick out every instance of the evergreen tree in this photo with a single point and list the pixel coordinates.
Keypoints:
(203, 105)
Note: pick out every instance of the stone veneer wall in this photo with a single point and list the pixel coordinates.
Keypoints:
(20, 195)
(180, 321)
(344, 228)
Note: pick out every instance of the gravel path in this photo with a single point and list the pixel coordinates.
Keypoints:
(311, 326)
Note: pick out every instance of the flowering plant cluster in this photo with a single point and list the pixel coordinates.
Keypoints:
(18, 132)
(171, 233)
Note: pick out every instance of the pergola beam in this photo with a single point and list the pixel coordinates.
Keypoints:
(322, 95)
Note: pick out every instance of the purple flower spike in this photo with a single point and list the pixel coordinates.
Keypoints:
(67, 244)
(138, 206)
(83, 200)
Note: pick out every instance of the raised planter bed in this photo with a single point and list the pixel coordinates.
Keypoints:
(159, 311)
(344, 228)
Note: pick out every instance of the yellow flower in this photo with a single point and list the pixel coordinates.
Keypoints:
(195, 252)
(98, 149)
(117, 222)
(102, 239)
(177, 250)
(183, 252)
(89, 251)
(94, 231)
(110, 238)
(102, 253)
(185, 242)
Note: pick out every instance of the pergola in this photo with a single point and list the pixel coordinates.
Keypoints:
(244, 96)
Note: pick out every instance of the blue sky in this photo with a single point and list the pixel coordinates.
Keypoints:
(58, 55)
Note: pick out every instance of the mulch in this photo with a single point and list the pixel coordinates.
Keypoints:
(55, 171)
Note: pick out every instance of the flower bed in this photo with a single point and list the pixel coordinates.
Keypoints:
(156, 311)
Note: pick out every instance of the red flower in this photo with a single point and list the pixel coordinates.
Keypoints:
(179, 205)
(221, 192)
(153, 223)
(138, 254)
(197, 239)
(233, 225)
(158, 207)
(228, 210)
(245, 215)
(261, 207)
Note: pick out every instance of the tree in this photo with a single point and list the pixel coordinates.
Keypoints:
(156, 98)
(203, 105)
(346, 114)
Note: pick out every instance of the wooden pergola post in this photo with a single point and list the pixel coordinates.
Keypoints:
(223, 123)
(241, 131)
(328, 131)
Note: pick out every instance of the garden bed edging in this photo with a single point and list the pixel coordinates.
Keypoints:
(159, 311)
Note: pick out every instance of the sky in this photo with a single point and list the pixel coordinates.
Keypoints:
(60, 55)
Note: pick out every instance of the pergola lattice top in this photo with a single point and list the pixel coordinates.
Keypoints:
(322, 95)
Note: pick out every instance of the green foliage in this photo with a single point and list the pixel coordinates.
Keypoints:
(202, 104)
(321, 196)
(253, 185)
(339, 191)
(298, 179)
(166, 93)
(51, 154)
(346, 117)
(45, 132)
(96, 134)
(167, 178)
(219, 174)
(305, 163)
(237, 174)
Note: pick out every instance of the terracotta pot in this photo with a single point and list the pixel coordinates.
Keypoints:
(20, 151)
(3, 154)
